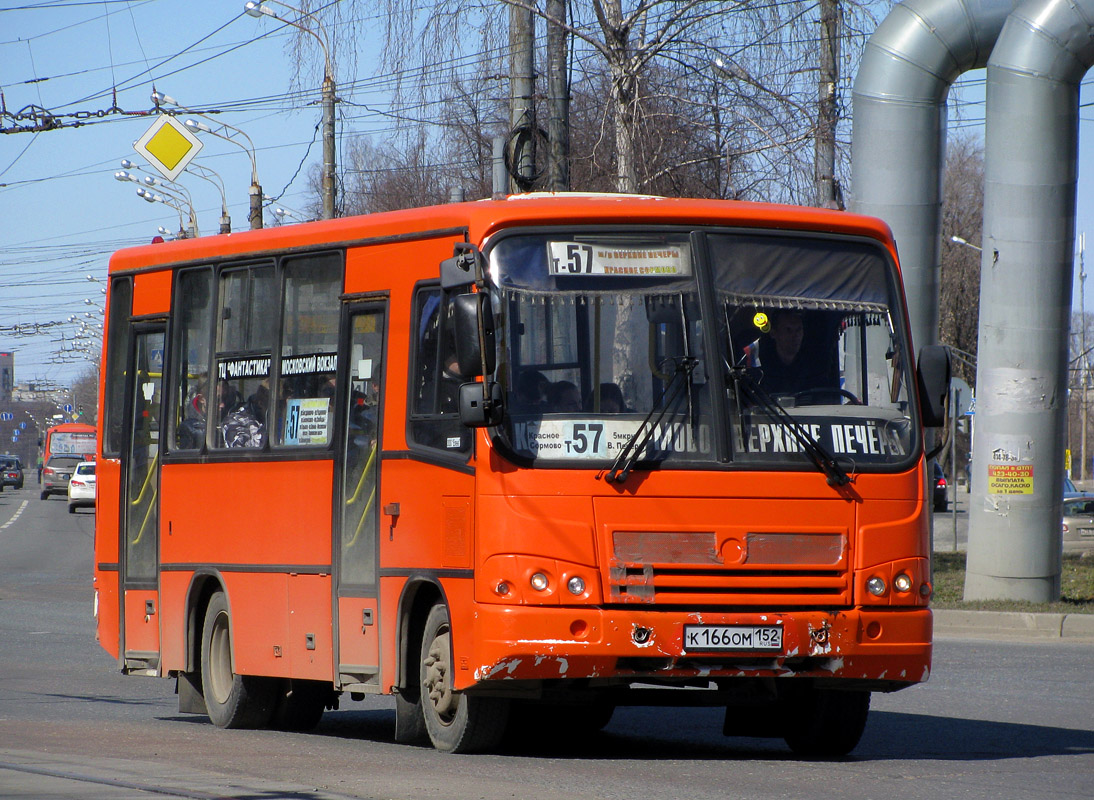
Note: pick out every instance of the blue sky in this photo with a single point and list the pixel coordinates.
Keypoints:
(61, 210)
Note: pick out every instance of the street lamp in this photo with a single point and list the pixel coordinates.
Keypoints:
(259, 10)
(152, 197)
(173, 193)
(959, 240)
(206, 174)
(125, 176)
(224, 132)
(255, 192)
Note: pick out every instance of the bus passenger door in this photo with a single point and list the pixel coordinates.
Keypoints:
(356, 518)
(140, 503)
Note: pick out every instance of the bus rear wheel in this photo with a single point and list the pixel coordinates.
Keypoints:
(456, 722)
(826, 723)
(233, 701)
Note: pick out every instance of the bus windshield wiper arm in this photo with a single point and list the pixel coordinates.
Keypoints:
(817, 452)
(628, 456)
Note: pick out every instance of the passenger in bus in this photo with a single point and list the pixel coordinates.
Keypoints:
(246, 425)
(191, 431)
(563, 396)
(611, 400)
(531, 389)
(228, 399)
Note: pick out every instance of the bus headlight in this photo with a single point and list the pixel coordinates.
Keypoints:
(876, 586)
(539, 581)
(902, 583)
(576, 585)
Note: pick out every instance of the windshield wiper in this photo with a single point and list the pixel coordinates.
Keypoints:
(817, 452)
(628, 456)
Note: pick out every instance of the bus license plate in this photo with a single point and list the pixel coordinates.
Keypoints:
(766, 638)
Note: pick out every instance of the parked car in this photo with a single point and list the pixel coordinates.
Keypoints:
(11, 471)
(57, 473)
(938, 494)
(81, 487)
(1078, 524)
(1070, 489)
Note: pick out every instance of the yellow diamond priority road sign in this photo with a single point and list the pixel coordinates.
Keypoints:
(168, 146)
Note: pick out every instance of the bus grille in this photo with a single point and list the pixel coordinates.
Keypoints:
(762, 569)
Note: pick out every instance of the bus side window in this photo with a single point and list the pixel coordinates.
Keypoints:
(117, 354)
(194, 314)
(309, 350)
(245, 337)
(434, 419)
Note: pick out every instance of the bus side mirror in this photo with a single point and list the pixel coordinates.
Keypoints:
(468, 310)
(465, 268)
(934, 383)
(480, 404)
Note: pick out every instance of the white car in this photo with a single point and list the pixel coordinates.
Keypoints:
(81, 487)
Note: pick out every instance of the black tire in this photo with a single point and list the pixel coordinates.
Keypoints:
(409, 722)
(825, 723)
(45, 495)
(300, 705)
(71, 508)
(456, 722)
(232, 701)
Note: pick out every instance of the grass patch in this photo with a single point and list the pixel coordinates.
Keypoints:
(1076, 587)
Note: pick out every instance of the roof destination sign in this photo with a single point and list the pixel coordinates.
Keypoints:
(168, 146)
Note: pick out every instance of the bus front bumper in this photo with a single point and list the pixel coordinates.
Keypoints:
(879, 649)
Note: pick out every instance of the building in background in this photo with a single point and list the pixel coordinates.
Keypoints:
(7, 374)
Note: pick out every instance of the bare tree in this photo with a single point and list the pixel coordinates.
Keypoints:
(962, 216)
(670, 96)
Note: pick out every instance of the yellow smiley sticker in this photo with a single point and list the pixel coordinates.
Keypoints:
(762, 322)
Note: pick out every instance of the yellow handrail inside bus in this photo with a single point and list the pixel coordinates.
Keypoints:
(364, 474)
(147, 479)
(361, 521)
(147, 516)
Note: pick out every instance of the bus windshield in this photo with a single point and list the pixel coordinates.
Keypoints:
(607, 343)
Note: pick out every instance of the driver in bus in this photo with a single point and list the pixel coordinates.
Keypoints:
(787, 363)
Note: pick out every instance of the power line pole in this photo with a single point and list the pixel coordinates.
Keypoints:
(521, 108)
(330, 187)
(827, 112)
(1084, 372)
(558, 99)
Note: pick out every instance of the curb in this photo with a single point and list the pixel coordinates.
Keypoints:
(1013, 624)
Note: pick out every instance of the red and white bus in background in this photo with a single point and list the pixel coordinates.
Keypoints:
(70, 438)
(542, 453)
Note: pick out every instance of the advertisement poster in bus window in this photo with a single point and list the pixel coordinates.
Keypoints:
(306, 421)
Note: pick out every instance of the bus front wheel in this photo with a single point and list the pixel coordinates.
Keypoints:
(456, 722)
(826, 723)
(233, 701)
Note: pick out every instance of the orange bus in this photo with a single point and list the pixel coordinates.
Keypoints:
(520, 462)
(70, 438)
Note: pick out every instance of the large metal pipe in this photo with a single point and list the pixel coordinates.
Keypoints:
(899, 129)
(1030, 156)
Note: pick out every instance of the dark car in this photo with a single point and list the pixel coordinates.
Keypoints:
(11, 471)
(57, 473)
(938, 493)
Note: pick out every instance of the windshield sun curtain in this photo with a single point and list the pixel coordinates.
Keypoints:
(608, 356)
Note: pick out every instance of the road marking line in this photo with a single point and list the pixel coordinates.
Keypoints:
(16, 515)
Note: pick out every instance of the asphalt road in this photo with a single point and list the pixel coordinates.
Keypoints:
(997, 720)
